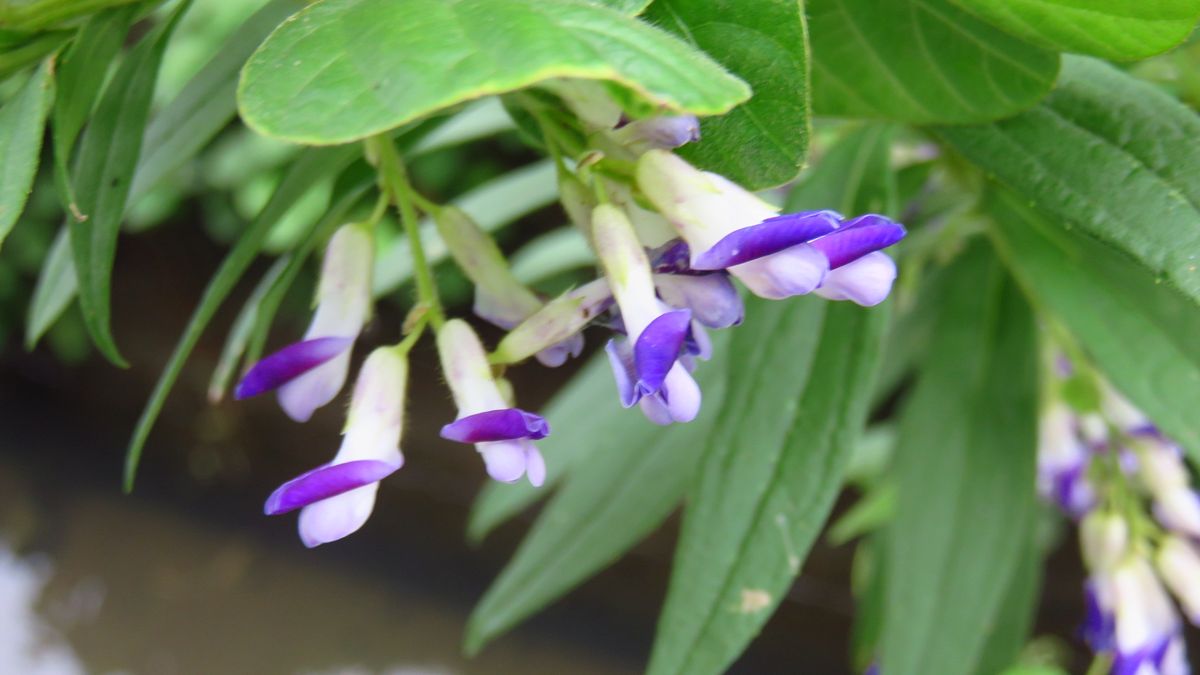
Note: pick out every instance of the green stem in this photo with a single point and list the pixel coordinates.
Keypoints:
(404, 346)
(395, 182)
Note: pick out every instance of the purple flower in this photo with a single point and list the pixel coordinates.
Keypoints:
(664, 133)
(337, 498)
(1145, 622)
(711, 298)
(647, 365)
(502, 435)
(1062, 463)
(310, 373)
(1178, 561)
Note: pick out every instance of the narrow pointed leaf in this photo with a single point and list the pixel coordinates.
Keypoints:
(920, 61)
(764, 141)
(54, 291)
(964, 470)
(1111, 155)
(1111, 29)
(342, 70)
(773, 466)
(21, 121)
(108, 156)
(613, 497)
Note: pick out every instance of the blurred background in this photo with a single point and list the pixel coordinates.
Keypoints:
(186, 575)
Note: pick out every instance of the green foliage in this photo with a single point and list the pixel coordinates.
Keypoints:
(964, 469)
(21, 121)
(1113, 29)
(920, 61)
(343, 70)
(763, 142)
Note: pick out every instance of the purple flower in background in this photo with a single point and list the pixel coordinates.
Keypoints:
(310, 373)
(336, 499)
(1178, 562)
(503, 435)
(1063, 461)
(1147, 634)
(646, 365)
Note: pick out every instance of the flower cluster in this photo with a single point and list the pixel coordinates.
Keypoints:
(1104, 467)
(668, 238)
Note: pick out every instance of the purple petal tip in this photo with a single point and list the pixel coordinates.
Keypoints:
(288, 363)
(770, 236)
(658, 347)
(506, 424)
(324, 482)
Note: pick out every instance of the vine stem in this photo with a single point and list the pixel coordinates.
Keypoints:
(395, 183)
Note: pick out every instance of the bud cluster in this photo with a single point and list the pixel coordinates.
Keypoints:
(1128, 486)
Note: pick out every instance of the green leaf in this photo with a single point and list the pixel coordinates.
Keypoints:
(920, 61)
(551, 254)
(964, 469)
(241, 330)
(80, 74)
(621, 490)
(801, 376)
(584, 407)
(1112, 29)
(491, 205)
(342, 70)
(21, 121)
(630, 7)
(310, 167)
(54, 290)
(108, 155)
(207, 104)
(19, 49)
(1140, 333)
(1010, 628)
(39, 14)
(854, 177)
(763, 142)
(1109, 154)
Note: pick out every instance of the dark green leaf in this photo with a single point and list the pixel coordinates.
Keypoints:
(108, 155)
(80, 75)
(310, 167)
(964, 469)
(342, 70)
(1139, 332)
(621, 490)
(763, 142)
(21, 121)
(207, 103)
(1009, 629)
(39, 14)
(797, 400)
(921, 61)
(1110, 154)
(19, 49)
(1113, 29)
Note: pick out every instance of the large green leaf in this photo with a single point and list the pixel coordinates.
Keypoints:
(1110, 154)
(853, 178)
(615, 495)
(1142, 334)
(342, 70)
(798, 400)
(763, 142)
(1010, 627)
(39, 14)
(921, 61)
(21, 122)
(310, 167)
(108, 156)
(964, 468)
(1113, 29)
(585, 413)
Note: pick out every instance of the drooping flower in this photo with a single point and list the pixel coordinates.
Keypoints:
(502, 434)
(555, 328)
(337, 498)
(646, 365)
(665, 132)
(1146, 626)
(1178, 561)
(1062, 462)
(310, 373)
(775, 256)
(500, 299)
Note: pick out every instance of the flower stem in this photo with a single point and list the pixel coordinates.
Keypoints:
(395, 183)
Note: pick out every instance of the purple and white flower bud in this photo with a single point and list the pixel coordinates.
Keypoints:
(666, 132)
(1161, 467)
(502, 434)
(1178, 562)
(1104, 540)
(1178, 509)
(646, 366)
(343, 307)
(500, 299)
(554, 330)
(1062, 463)
(1146, 622)
(712, 298)
(336, 499)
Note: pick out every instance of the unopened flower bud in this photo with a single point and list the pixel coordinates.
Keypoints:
(1179, 564)
(1104, 540)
